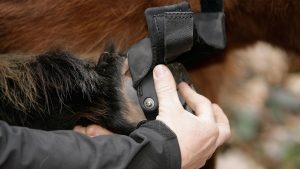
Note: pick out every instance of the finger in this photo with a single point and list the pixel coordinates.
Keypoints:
(96, 130)
(222, 124)
(200, 104)
(80, 129)
(165, 87)
(219, 114)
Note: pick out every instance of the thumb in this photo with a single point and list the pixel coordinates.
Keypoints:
(165, 87)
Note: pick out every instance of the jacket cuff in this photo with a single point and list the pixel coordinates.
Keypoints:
(171, 145)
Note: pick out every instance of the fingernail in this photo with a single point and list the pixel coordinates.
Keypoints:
(160, 71)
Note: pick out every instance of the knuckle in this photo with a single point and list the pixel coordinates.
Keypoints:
(226, 121)
(216, 132)
(164, 108)
(198, 107)
(202, 101)
(213, 131)
(227, 134)
(170, 106)
(170, 102)
(165, 89)
(225, 129)
(216, 106)
(202, 164)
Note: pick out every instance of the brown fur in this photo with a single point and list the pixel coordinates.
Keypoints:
(274, 21)
(56, 90)
(83, 27)
(15, 68)
(34, 26)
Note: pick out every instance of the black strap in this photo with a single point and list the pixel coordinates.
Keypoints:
(156, 20)
(212, 5)
(178, 34)
(145, 91)
(173, 30)
(210, 29)
(140, 60)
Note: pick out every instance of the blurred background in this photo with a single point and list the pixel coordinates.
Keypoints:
(261, 96)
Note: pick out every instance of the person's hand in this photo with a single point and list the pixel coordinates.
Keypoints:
(92, 130)
(198, 135)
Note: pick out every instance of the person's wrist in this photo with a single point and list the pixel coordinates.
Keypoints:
(159, 126)
(171, 148)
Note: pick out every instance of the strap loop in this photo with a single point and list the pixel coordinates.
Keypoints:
(212, 5)
(156, 27)
(178, 34)
(210, 29)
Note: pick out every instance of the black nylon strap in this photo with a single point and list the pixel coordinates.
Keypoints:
(145, 90)
(156, 27)
(140, 59)
(210, 28)
(178, 34)
(174, 30)
(212, 5)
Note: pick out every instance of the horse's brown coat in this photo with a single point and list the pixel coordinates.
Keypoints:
(83, 27)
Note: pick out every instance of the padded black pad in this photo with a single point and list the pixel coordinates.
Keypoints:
(212, 5)
(178, 34)
(174, 31)
(155, 19)
(140, 60)
(211, 29)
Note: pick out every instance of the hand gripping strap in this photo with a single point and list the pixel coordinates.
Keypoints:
(171, 33)
(173, 30)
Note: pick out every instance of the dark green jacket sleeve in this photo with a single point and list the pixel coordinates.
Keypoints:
(153, 145)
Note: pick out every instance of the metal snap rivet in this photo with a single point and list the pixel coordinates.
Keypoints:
(149, 103)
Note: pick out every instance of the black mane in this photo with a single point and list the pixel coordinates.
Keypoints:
(56, 90)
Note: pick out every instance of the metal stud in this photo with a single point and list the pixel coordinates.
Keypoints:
(149, 103)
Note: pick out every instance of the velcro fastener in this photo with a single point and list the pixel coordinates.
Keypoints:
(178, 34)
(174, 32)
(156, 27)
